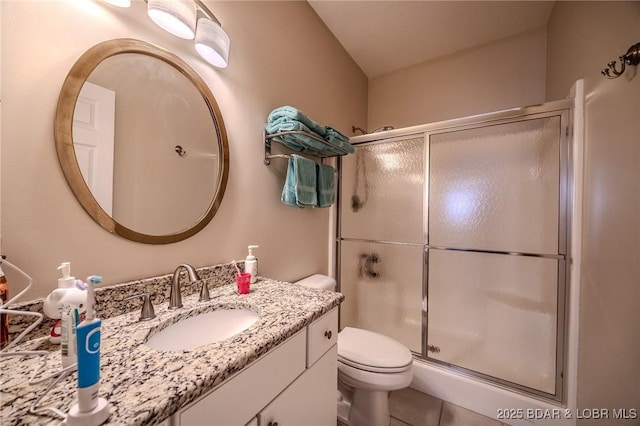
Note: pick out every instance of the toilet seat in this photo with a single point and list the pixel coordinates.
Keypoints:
(373, 352)
(371, 369)
(374, 381)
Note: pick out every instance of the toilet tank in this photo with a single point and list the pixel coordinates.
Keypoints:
(318, 281)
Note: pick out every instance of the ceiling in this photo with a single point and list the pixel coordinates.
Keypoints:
(384, 36)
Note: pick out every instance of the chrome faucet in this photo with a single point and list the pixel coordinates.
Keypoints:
(175, 296)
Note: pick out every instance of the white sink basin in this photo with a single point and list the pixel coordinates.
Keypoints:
(203, 329)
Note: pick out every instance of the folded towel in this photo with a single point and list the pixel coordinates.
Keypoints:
(290, 113)
(332, 133)
(288, 118)
(296, 142)
(300, 142)
(300, 186)
(335, 137)
(283, 124)
(306, 144)
(289, 140)
(326, 192)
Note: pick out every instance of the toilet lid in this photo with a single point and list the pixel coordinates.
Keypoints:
(370, 349)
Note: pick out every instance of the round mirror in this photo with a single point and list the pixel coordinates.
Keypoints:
(141, 142)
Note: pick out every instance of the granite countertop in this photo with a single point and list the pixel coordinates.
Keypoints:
(146, 386)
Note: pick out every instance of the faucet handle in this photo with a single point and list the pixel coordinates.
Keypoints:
(204, 292)
(147, 312)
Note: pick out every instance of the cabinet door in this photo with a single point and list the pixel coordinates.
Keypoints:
(310, 400)
(238, 400)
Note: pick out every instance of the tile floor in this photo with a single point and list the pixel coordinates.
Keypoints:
(414, 408)
(410, 407)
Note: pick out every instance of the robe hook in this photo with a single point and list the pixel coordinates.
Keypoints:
(632, 57)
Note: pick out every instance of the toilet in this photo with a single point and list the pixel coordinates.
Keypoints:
(370, 365)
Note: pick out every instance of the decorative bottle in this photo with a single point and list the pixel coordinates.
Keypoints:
(4, 319)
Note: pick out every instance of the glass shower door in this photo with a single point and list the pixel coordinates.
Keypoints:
(495, 261)
(382, 239)
(454, 241)
(382, 285)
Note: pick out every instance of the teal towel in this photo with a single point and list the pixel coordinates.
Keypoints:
(304, 143)
(298, 142)
(335, 137)
(326, 186)
(287, 118)
(331, 133)
(300, 187)
(287, 113)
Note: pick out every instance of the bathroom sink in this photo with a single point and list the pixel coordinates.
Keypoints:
(202, 329)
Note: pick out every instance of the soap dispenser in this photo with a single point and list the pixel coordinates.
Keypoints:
(66, 294)
(251, 264)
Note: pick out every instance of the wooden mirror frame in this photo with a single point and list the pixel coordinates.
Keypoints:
(63, 135)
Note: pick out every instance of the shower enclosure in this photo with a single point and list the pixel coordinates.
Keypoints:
(453, 239)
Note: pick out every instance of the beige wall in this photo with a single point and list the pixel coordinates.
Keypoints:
(281, 53)
(540, 66)
(582, 38)
(503, 74)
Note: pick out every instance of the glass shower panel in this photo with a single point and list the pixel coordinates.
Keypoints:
(495, 314)
(382, 284)
(382, 191)
(496, 187)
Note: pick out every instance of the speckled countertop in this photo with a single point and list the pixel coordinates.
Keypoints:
(145, 386)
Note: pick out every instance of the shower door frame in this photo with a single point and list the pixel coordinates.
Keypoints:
(564, 110)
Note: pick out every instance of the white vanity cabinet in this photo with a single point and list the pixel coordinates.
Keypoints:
(293, 384)
(310, 400)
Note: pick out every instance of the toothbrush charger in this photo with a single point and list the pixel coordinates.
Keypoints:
(95, 417)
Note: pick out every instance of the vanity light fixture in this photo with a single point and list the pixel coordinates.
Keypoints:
(189, 19)
(120, 3)
(212, 43)
(177, 17)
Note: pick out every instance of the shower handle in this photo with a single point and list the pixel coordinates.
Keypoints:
(433, 348)
(365, 268)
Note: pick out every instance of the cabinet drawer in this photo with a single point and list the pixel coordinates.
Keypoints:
(322, 334)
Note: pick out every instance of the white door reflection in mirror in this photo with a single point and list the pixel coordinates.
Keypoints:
(93, 141)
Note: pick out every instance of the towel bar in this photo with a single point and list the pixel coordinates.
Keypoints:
(268, 158)
(312, 150)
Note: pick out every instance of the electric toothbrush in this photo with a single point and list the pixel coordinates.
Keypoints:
(90, 410)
